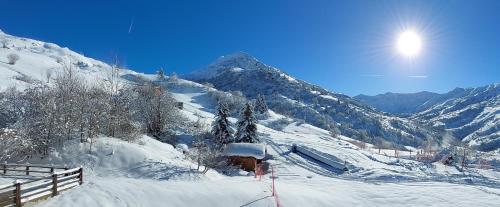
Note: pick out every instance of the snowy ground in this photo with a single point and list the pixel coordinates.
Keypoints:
(151, 173)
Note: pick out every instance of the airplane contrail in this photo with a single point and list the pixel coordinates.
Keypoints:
(131, 24)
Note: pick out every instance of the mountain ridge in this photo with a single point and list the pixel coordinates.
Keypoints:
(311, 103)
(470, 114)
(237, 72)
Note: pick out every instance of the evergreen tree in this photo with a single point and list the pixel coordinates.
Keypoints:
(173, 77)
(221, 128)
(161, 75)
(247, 127)
(260, 104)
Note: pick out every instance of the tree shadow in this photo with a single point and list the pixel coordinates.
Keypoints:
(159, 171)
(254, 201)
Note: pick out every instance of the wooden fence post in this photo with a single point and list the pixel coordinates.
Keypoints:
(27, 170)
(5, 168)
(54, 184)
(81, 175)
(18, 193)
(272, 175)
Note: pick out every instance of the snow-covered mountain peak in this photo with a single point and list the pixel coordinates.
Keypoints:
(235, 62)
(237, 57)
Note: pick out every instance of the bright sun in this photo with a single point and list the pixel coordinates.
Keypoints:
(409, 43)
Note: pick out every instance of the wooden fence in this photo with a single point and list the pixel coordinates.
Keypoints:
(50, 184)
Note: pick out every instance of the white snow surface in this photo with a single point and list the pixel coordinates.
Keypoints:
(41, 62)
(151, 173)
(254, 150)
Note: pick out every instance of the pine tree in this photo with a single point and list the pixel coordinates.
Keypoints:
(260, 104)
(247, 127)
(221, 128)
(160, 74)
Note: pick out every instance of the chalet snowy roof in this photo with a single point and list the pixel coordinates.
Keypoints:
(257, 151)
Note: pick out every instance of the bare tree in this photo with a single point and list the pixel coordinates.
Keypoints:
(465, 152)
(201, 144)
(67, 86)
(155, 110)
(48, 75)
(4, 44)
(334, 131)
(12, 145)
(173, 77)
(13, 58)
(95, 115)
(39, 119)
(379, 143)
(112, 86)
(212, 158)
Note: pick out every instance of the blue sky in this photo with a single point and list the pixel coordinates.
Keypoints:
(344, 46)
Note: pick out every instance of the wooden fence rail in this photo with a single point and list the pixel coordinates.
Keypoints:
(40, 188)
(4, 168)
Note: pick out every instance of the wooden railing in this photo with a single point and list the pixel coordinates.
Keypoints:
(28, 168)
(20, 193)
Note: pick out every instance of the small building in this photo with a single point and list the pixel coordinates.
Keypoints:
(246, 155)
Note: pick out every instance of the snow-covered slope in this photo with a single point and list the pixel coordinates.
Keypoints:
(470, 114)
(151, 173)
(39, 62)
(310, 103)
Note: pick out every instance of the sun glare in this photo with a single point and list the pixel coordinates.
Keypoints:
(409, 43)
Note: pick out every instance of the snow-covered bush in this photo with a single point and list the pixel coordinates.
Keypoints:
(11, 107)
(81, 64)
(4, 44)
(50, 45)
(260, 104)
(12, 146)
(13, 58)
(160, 75)
(206, 153)
(182, 148)
(173, 77)
(334, 131)
(208, 85)
(155, 109)
(279, 124)
(234, 101)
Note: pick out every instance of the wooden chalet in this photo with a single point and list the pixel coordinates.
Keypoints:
(246, 155)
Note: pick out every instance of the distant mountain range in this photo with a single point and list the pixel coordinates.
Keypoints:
(470, 114)
(400, 103)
